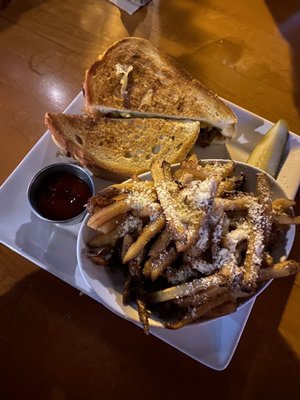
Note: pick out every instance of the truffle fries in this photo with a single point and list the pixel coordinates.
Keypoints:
(148, 232)
(185, 209)
(192, 244)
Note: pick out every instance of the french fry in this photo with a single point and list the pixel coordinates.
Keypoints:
(143, 314)
(230, 184)
(119, 197)
(200, 297)
(197, 312)
(107, 213)
(220, 170)
(286, 220)
(253, 257)
(196, 172)
(264, 198)
(227, 169)
(237, 204)
(109, 225)
(185, 289)
(280, 205)
(154, 267)
(102, 199)
(146, 235)
(128, 290)
(279, 270)
(127, 242)
(161, 243)
(104, 239)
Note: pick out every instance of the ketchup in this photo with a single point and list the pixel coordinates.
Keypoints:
(62, 196)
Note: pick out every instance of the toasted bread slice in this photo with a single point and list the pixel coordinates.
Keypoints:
(119, 147)
(135, 78)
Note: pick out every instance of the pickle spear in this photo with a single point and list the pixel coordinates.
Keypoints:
(267, 153)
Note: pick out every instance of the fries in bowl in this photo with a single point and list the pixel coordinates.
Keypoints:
(187, 243)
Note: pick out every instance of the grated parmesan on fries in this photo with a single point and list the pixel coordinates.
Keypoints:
(192, 243)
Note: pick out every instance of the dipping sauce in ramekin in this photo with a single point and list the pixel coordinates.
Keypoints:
(59, 192)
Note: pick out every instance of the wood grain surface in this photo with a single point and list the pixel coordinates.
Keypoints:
(55, 344)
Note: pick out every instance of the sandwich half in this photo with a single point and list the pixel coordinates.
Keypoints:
(118, 147)
(134, 78)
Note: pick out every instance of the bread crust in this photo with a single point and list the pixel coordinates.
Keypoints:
(156, 85)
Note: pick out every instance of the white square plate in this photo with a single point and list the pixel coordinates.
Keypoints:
(53, 246)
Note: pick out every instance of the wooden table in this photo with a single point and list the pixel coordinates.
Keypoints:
(55, 344)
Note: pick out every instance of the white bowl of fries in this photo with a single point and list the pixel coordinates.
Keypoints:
(197, 242)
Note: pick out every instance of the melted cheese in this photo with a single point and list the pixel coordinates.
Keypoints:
(123, 71)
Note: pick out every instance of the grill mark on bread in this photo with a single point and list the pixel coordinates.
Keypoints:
(121, 147)
(152, 69)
